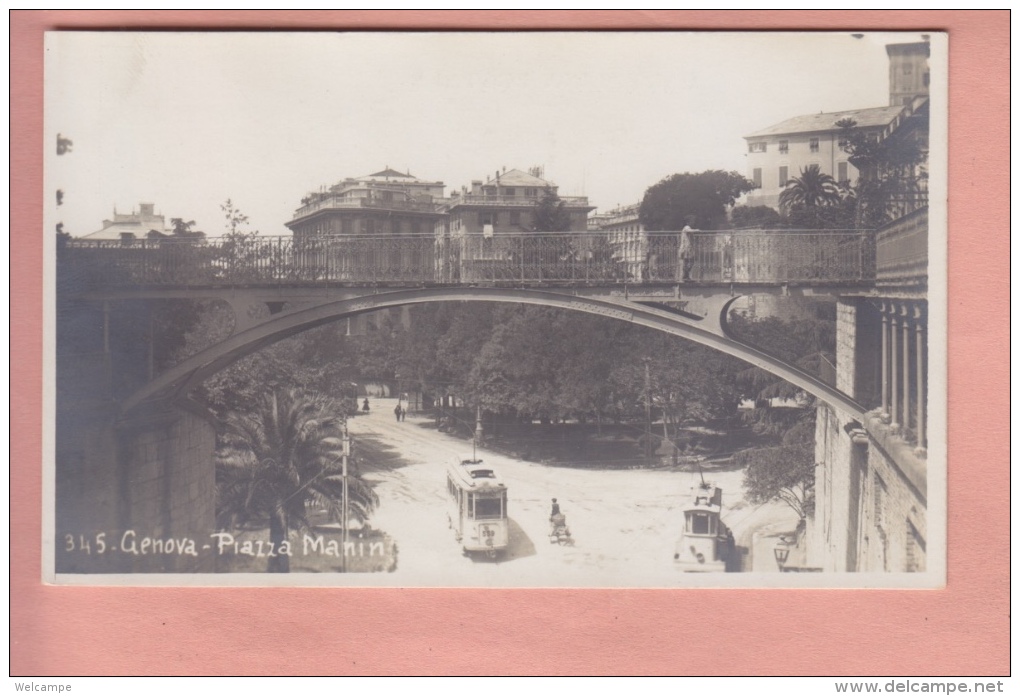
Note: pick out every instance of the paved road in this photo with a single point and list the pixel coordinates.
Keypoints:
(625, 523)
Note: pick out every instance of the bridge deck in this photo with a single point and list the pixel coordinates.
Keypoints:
(592, 259)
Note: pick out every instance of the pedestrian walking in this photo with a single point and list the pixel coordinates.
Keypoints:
(398, 412)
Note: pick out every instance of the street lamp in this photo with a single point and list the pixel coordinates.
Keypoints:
(648, 408)
(782, 553)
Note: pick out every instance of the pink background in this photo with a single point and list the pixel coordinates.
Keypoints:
(961, 630)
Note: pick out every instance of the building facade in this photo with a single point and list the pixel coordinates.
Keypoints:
(780, 152)
(626, 235)
(482, 224)
(387, 202)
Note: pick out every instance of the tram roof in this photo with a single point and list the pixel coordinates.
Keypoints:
(475, 473)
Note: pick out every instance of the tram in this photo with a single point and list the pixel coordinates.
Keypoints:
(706, 543)
(477, 513)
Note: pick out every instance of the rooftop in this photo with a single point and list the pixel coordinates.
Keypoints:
(813, 123)
(515, 177)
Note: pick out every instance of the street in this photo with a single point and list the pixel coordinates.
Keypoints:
(625, 522)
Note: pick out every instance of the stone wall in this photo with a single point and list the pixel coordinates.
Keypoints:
(870, 487)
(120, 483)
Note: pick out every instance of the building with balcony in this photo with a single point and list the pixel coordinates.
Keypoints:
(343, 228)
(387, 202)
(505, 204)
(483, 222)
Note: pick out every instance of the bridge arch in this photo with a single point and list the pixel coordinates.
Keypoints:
(710, 330)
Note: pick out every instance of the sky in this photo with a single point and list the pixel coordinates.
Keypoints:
(189, 120)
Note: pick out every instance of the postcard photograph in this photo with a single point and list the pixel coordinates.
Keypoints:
(495, 309)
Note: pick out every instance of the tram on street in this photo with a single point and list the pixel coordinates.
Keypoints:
(477, 512)
(705, 543)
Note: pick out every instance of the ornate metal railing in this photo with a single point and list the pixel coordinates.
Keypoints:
(574, 258)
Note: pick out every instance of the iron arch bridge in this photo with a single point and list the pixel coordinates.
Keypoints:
(310, 281)
(709, 330)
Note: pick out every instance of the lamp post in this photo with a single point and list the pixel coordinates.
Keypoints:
(343, 507)
(782, 553)
(648, 408)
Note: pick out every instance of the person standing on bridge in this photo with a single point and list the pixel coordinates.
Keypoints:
(686, 252)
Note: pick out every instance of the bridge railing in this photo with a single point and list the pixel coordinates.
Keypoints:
(576, 258)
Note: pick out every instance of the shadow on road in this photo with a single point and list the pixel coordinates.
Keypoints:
(521, 546)
(375, 454)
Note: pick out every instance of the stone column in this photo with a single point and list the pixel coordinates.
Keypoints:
(920, 326)
(894, 397)
(884, 309)
(905, 416)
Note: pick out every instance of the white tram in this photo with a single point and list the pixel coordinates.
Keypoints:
(706, 543)
(477, 498)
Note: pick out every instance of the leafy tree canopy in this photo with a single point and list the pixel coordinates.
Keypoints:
(700, 200)
(758, 217)
(812, 189)
(550, 215)
(282, 459)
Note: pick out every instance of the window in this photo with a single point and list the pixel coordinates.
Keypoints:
(784, 175)
(843, 173)
(813, 143)
(756, 177)
(509, 192)
(530, 192)
(699, 524)
(756, 147)
(488, 508)
(784, 146)
(515, 218)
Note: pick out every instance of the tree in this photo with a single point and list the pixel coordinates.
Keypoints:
(183, 230)
(237, 222)
(785, 473)
(760, 217)
(892, 172)
(700, 200)
(812, 189)
(282, 459)
(550, 214)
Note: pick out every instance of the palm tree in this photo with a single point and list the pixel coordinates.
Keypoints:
(812, 189)
(281, 459)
